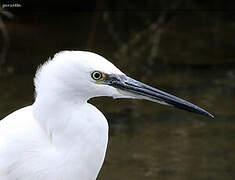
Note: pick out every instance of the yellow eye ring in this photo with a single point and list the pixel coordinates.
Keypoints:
(96, 75)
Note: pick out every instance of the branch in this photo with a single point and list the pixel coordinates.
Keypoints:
(5, 37)
(5, 44)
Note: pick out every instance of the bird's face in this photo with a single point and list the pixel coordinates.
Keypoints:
(126, 87)
(104, 79)
(87, 75)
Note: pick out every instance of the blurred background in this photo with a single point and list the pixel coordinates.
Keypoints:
(186, 48)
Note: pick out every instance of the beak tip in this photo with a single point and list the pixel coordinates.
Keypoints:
(209, 115)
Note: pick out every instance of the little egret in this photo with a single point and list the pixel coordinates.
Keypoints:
(61, 136)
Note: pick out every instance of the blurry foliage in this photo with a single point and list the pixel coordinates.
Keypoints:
(139, 42)
(155, 33)
(4, 45)
(163, 32)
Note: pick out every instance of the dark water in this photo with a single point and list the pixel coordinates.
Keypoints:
(151, 141)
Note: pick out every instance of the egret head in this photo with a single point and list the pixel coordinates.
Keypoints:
(80, 75)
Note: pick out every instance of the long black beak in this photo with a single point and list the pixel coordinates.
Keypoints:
(143, 91)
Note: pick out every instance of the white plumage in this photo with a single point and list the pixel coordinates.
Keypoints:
(61, 136)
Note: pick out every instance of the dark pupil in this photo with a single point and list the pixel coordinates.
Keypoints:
(97, 75)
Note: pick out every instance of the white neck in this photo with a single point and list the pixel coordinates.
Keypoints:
(75, 132)
(52, 110)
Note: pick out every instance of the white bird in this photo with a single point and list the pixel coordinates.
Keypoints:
(61, 136)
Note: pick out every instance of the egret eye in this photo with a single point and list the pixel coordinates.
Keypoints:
(97, 75)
